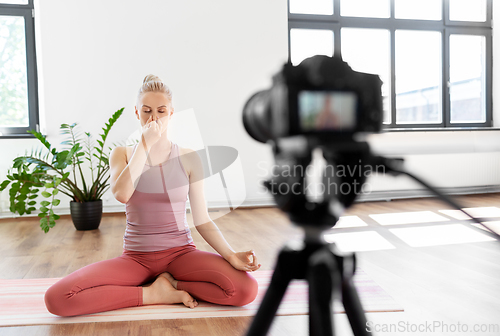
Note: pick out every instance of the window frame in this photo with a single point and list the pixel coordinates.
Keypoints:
(445, 26)
(26, 11)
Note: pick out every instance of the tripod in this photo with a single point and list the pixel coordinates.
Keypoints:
(329, 274)
(328, 271)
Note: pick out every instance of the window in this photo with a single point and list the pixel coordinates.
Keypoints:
(18, 80)
(433, 56)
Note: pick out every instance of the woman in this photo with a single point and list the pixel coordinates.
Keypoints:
(327, 118)
(154, 179)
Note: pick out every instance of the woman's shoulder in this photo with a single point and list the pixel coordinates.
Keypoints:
(185, 150)
(127, 150)
(190, 159)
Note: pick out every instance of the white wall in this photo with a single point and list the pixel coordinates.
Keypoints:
(93, 56)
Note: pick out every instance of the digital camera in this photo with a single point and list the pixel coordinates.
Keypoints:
(321, 97)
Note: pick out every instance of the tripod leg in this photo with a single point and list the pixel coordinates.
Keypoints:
(324, 280)
(274, 294)
(350, 299)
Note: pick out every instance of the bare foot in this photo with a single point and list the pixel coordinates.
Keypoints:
(170, 278)
(162, 292)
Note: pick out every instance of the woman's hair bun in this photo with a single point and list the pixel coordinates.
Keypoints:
(152, 83)
(151, 78)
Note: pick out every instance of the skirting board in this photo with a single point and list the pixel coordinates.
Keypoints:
(383, 195)
(387, 195)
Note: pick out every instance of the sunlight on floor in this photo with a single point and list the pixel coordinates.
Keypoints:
(359, 241)
(408, 218)
(439, 235)
(483, 212)
(349, 221)
(495, 226)
(414, 235)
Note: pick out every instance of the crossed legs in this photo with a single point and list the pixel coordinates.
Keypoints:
(117, 283)
(209, 277)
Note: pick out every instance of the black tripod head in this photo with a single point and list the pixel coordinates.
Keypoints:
(348, 164)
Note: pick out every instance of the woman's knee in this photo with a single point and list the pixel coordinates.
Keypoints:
(55, 301)
(246, 291)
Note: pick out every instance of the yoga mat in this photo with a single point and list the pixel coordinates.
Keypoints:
(22, 303)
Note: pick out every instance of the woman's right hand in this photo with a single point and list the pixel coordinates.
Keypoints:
(151, 131)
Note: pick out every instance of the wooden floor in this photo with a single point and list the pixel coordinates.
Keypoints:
(457, 283)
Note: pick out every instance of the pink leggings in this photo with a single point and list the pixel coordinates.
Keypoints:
(116, 283)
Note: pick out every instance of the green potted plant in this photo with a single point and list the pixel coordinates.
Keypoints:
(86, 204)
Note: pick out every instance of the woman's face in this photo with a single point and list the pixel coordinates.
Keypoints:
(154, 104)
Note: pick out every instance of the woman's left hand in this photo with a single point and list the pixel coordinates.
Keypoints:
(244, 261)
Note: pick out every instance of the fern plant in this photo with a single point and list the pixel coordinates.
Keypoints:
(49, 173)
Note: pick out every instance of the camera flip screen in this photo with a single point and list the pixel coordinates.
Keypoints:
(327, 110)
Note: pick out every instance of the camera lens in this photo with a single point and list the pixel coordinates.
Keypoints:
(257, 116)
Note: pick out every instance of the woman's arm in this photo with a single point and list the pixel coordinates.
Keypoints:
(205, 226)
(124, 175)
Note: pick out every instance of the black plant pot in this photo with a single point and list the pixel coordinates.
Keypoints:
(86, 215)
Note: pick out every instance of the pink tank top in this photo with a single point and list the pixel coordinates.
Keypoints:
(156, 212)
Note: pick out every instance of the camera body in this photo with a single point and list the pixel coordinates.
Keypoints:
(321, 97)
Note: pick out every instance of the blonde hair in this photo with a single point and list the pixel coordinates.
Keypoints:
(152, 83)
